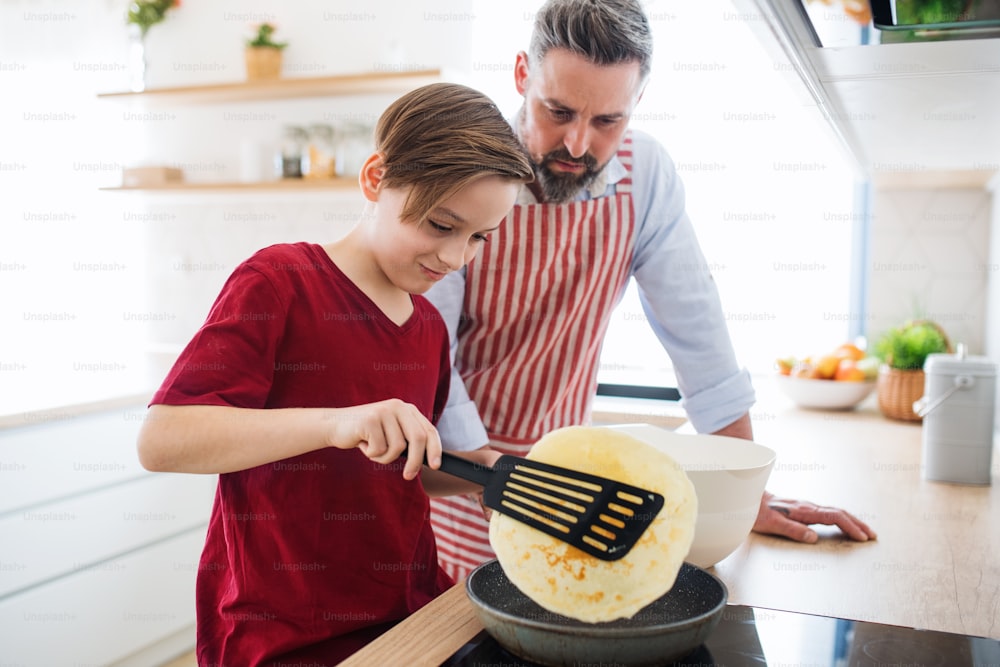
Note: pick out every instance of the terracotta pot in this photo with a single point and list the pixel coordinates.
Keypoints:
(898, 390)
(263, 62)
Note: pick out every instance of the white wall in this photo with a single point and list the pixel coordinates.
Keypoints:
(90, 279)
(102, 556)
(991, 345)
(930, 258)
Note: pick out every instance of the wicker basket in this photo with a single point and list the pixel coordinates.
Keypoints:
(897, 390)
(263, 62)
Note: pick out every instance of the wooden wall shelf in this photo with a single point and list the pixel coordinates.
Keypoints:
(299, 87)
(287, 185)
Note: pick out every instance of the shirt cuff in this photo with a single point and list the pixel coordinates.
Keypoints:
(719, 406)
(461, 428)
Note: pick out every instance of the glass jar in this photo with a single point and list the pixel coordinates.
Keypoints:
(320, 158)
(288, 161)
(355, 143)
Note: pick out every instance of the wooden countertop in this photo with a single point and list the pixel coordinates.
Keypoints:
(933, 565)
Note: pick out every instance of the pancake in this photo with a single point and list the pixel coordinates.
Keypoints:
(568, 581)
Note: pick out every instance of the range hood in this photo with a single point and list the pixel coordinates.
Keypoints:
(929, 107)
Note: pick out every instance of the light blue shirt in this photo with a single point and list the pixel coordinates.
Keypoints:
(676, 290)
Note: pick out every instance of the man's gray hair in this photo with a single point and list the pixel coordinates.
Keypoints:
(605, 32)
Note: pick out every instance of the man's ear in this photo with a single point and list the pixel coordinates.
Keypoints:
(371, 175)
(521, 72)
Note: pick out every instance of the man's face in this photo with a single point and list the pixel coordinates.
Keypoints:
(574, 116)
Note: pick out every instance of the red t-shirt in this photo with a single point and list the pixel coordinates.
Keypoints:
(309, 558)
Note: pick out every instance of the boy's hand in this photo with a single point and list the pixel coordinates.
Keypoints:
(384, 430)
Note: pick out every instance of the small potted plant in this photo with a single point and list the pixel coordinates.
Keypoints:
(264, 55)
(902, 351)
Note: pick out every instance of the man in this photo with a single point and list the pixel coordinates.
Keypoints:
(528, 316)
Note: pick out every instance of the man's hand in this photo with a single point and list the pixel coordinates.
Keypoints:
(791, 519)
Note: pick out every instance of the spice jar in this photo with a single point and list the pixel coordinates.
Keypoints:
(319, 158)
(288, 161)
(355, 143)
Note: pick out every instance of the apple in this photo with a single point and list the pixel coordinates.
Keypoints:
(869, 366)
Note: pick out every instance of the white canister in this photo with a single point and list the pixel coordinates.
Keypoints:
(957, 410)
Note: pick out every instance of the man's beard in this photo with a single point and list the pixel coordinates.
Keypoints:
(560, 187)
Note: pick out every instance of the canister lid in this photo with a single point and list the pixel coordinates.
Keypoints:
(955, 363)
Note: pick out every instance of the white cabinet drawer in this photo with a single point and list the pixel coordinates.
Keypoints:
(94, 530)
(39, 463)
(102, 615)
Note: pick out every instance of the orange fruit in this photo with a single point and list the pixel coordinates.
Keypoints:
(848, 371)
(849, 351)
(826, 366)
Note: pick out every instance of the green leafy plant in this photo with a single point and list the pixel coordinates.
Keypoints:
(263, 38)
(906, 347)
(147, 13)
(930, 11)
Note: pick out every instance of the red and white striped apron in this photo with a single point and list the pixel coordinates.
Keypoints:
(538, 300)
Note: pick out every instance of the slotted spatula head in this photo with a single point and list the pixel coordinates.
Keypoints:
(599, 516)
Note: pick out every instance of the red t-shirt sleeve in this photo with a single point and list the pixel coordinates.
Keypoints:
(231, 359)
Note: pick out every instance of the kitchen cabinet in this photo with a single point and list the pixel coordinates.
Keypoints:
(342, 85)
(100, 556)
(927, 108)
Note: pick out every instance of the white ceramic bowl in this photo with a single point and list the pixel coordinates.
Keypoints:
(824, 394)
(729, 476)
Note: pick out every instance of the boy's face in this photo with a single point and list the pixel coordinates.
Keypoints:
(415, 256)
(574, 116)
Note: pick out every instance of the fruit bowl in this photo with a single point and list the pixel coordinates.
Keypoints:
(824, 394)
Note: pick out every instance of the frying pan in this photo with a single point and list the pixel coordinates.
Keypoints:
(666, 630)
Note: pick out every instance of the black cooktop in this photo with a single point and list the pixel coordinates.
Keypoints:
(764, 638)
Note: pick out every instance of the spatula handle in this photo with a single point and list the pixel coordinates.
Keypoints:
(477, 473)
(467, 470)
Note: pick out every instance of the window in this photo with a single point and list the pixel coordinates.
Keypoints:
(770, 192)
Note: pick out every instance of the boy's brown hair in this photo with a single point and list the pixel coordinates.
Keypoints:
(441, 137)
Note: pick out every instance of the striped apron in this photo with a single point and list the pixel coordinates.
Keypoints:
(538, 300)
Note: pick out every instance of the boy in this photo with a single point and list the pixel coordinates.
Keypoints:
(318, 366)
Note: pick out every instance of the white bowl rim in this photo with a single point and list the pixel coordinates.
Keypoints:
(819, 393)
(702, 451)
(791, 378)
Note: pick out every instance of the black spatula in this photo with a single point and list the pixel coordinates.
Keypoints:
(597, 515)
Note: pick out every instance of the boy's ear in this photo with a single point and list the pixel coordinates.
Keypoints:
(370, 176)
